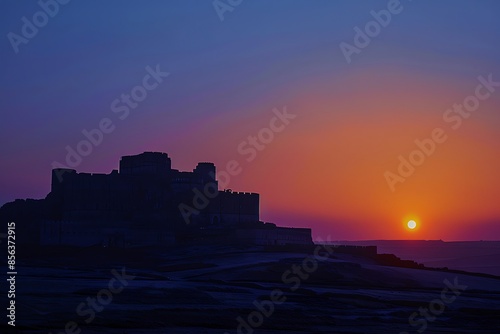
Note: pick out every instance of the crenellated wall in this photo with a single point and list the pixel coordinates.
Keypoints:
(234, 208)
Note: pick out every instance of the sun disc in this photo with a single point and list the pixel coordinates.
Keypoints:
(412, 224)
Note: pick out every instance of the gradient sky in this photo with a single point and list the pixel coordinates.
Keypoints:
(326, 169)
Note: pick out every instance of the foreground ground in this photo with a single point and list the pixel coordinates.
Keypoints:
(218, 289)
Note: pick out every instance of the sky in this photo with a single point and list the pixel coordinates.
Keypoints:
(331, 164)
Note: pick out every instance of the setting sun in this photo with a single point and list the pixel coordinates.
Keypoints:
(411, 224)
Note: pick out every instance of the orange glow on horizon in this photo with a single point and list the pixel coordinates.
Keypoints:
(329, 169)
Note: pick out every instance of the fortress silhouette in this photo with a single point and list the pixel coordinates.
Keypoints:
(146, 202)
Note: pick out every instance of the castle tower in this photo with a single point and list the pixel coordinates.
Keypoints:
(206, 170)
(147, 163)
